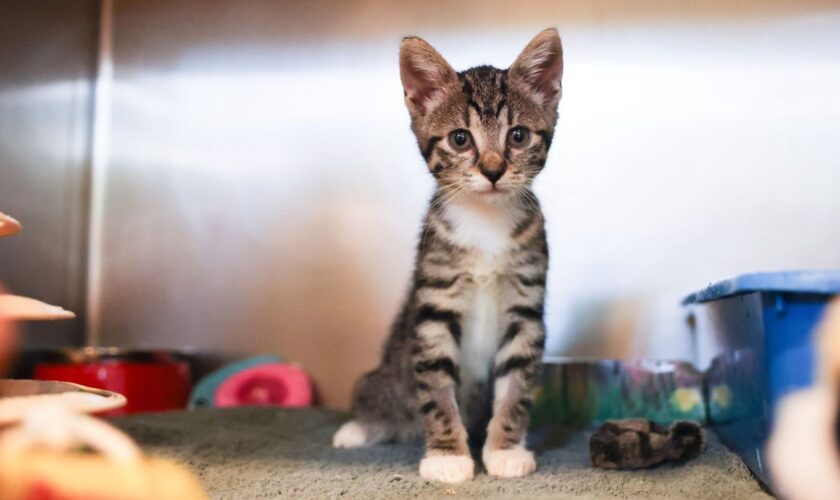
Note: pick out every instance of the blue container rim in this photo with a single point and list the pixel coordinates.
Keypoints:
(825, 282)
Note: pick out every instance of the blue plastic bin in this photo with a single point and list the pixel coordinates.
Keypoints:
(753, 337)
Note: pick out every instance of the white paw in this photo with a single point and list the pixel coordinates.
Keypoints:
(447, 468)
(350, 435)
(516, 462)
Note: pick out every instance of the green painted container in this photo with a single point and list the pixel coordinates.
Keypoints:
(578, 393)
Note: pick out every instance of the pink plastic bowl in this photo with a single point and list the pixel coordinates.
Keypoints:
(266, 385)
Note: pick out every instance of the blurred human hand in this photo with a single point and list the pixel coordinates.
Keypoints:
(8, 225)
(8, 337)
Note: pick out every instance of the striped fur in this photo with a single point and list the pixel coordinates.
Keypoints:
(465, 351)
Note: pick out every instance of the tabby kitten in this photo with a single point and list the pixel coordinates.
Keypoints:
(465, 352)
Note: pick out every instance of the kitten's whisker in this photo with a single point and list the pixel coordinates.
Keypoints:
(530, 200)
(444, 190)
(439, 205)
(449, 201)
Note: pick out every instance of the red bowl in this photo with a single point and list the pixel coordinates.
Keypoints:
(150, 380)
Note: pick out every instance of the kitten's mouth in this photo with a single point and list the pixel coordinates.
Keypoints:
(492, 191)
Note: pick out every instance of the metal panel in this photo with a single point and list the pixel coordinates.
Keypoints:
(230, 226)
(47, 56)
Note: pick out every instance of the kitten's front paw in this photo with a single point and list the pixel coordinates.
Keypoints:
(350, 435)
(515, 462)
(447, 468)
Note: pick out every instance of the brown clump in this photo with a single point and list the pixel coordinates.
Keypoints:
(639, 443)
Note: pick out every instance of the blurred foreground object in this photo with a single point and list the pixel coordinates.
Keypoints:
(43, 431)
(19, 397)
(39, 459)
(151, 380)
(804, 448)
(17, 308)
(8, 225)
(639, 444)
(8, 338)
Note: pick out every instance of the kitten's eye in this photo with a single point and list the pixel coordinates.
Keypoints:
(519, 137)
(460, 139)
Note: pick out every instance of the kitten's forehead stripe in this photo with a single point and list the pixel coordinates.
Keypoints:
(486, 90)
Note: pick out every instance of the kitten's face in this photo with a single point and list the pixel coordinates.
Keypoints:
(484, 131)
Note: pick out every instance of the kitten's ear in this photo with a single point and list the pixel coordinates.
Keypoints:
(426, 76)
(539, 68)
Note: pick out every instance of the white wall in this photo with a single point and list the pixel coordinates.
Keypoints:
(266, 196)
(688, 154)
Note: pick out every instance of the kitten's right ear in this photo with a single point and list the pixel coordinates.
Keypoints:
(426, 76)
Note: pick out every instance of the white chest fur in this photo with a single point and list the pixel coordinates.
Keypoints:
(482, 227)
(481, 332)
(486, 232)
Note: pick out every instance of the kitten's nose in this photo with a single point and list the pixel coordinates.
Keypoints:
(492, 166)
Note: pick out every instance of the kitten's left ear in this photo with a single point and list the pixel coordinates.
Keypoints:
(539, 68)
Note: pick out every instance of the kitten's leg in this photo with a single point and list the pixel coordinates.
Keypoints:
(516, 373)
(518, 361)
(435, 357)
